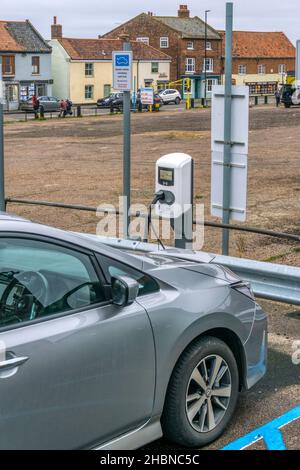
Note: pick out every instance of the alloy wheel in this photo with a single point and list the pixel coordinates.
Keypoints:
(208, 393)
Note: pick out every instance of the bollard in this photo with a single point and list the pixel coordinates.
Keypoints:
(42, 113)
(256, 100)
(192, 103)
(266, 99)
(79, 111)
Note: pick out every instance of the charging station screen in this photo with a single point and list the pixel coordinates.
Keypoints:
(166, 177)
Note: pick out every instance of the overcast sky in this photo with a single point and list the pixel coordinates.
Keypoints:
(88, 18)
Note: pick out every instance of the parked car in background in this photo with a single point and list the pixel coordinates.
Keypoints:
(46, 104)
(110, 348)
(170, 96)
(290, 96)
(106, 102)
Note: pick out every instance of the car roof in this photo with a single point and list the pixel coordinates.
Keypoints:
(13, 224)
(6, 216)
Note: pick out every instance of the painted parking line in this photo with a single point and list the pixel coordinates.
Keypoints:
(269, 432)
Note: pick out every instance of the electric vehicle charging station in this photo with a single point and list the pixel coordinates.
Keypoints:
(174, 195)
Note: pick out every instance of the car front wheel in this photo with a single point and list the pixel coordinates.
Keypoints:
(202, 394)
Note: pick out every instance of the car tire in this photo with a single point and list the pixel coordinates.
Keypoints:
(177, 422)
(177, 101)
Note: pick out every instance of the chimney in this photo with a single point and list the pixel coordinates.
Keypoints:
(150, 13)
(56, 29)
(183, 11)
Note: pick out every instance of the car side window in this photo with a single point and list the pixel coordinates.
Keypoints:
(39, 279)
(112, 268)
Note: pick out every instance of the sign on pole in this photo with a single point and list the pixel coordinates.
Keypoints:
(238, 165)
(147, 95)
(122, 70)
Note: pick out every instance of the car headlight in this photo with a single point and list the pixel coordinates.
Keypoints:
(244, 288)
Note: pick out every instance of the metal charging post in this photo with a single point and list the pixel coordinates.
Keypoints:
(2, 181)
(227, 128)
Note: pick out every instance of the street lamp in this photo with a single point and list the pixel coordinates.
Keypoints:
(205, 56)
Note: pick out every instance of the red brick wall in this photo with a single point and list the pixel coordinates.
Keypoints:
(271, 65)
(147, 26)
(199, 53)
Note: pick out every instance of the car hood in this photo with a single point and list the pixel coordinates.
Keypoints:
(196, 262)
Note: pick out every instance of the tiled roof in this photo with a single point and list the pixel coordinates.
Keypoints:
(190, 28)
(251, 44)
(101, 49)
(21, 36)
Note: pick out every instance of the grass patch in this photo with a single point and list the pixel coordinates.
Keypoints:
(297, 249)
(277, 257)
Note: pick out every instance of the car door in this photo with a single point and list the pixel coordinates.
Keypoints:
(44, 102)
(75, 370)
(53, 104)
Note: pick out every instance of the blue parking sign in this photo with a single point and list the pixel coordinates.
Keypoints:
(122, 70)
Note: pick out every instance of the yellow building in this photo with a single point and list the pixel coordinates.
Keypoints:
(82, 68)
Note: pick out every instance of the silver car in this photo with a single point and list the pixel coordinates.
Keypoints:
(47, 104)
(111, 348)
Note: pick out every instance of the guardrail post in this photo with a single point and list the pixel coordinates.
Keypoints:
(266, 99)
(79, 111)
(256, 100)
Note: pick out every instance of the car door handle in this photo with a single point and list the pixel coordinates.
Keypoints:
(12, 363)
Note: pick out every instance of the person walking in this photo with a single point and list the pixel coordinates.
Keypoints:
(278, 97)
(35, 105)
(63, 108)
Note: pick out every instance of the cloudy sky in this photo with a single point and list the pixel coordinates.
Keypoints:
(88, 18)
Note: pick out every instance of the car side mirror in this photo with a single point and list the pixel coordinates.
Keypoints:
(124, 290)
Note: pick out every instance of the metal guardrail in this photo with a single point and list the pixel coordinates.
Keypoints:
(269, 281)
(80, 207)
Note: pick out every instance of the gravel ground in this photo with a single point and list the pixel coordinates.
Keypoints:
(80, 161)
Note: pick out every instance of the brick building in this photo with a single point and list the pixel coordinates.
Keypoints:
(183, 38)
(261, 60)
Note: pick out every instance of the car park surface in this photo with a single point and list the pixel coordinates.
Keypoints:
(90, 152)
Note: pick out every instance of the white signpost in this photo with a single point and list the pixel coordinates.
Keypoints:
(122, 70)
(239, 152)
(147, 95)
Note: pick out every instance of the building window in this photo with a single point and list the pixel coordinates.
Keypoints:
(154, 67)
(35, 63)
(190, 65)
(242, 69)
(282, 69)
(145, 40)
(208, 65)
(164, 42)
(89, 92)
(8, 65)
(208, 46)
(261, 69)
(210, 83)
(89, 70)
(190, 45)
